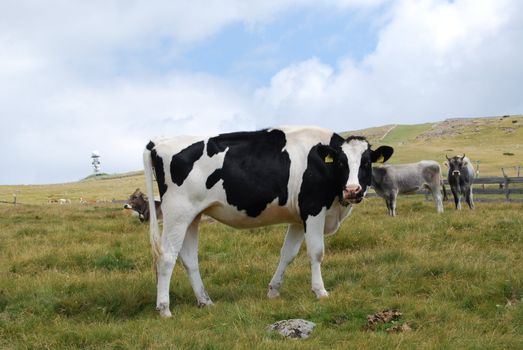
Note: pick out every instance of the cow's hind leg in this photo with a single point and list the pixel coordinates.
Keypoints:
(387, 202)
(172, 239)
(469, 199)
(289, 250)
(315, 249)
(189, 256)
(436, 194)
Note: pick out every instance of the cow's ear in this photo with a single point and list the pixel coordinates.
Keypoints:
(327, 153)
(446, 163)
(381, 154)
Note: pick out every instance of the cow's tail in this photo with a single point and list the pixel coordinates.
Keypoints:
(154, 231)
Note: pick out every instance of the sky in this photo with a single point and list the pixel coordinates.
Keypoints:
(109, 75)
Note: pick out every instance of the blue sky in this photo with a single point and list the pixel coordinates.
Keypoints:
(252, 53)
(255, 54)
(109, 75)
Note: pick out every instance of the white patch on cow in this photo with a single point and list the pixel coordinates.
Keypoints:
(354, 150)
(335, 216)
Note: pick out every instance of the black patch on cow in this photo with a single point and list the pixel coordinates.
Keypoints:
(322, 182)
(150, 145)
(365, 170)
(213, 178)
(183, 162)
(158, 170)
(214, 147)
(382, 151)
(255, 168)
(336, 141)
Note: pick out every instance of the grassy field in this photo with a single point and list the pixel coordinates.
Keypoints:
(80, 277)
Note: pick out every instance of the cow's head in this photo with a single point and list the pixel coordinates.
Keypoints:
(456, 165)
(358, 157)
(137, 201)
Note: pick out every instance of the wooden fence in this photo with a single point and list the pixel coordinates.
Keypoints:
(505, 187)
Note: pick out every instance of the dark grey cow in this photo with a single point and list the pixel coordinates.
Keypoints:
(390, 180)
(460, 177)
(138, 202)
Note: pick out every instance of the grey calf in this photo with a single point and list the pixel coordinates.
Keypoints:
(390, 180)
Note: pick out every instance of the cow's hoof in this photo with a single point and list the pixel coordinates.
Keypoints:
(205, 303)
(320, 294)
(273, 293)
(164, 310)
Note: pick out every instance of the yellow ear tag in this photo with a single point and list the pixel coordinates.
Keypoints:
(328, 159)
(381, 159)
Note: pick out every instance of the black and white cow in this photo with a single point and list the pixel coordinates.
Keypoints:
(138, 202)
(390, 180)
(460, 177)
(304, 176)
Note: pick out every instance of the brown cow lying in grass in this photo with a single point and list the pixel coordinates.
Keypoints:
(138, 202)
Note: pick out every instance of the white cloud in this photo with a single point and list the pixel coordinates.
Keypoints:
(62, 95)
(118, 118)
(434, 59)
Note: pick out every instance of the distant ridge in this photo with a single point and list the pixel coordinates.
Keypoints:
(104, 176)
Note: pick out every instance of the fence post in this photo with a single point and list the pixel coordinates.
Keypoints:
(477, 169)
(507, 191)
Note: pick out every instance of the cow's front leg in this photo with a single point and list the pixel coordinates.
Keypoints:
(457, 199)
(289, 250)
(393, 197)
(436, 195)
(189, 256)
(315, 250)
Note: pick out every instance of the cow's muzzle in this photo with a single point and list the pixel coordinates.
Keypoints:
(456, 173)
(127, 206)
(352, 194)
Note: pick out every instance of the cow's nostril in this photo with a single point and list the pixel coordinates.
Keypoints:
(353, 189)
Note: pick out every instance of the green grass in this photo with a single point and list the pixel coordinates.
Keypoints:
(80, 277)
(405, 133)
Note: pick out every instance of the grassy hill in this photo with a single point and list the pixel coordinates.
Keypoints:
(495, 142)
